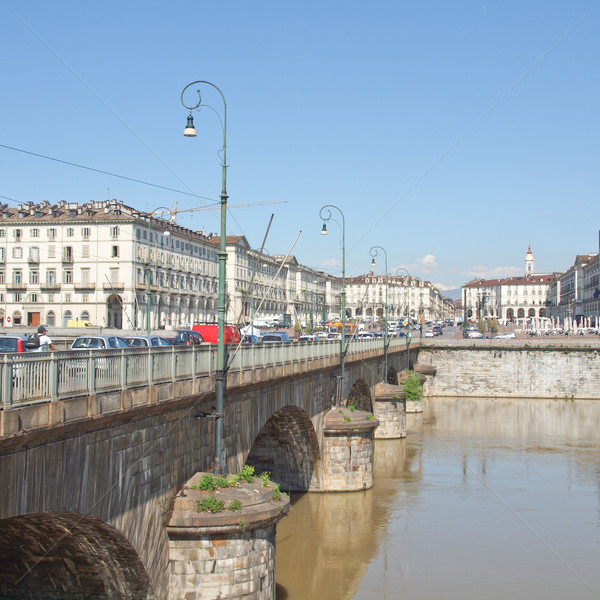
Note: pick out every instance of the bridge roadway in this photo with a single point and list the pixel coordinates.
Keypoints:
(94, 447)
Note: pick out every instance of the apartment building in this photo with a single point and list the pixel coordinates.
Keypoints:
(509, 298)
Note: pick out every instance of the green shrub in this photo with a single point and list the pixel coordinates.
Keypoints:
(276, 492)
(206, 483)
(210, 504)
(413, 389)
(235, 506)
(247, 474)
(265, 478)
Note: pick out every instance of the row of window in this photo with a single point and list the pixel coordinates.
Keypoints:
(35, 298)
(51, 276)
(68, 253)
(34, 232)
(172, 242)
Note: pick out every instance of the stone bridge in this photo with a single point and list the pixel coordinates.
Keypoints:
(88, 483)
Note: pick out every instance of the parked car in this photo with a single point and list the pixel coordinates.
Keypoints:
(366, 335)
(145, 341)
(309, 338)
(505, 336)
(250, 339)
(334, 336)
(429, 333)
(185, 337)
(276, 336)
(475, 334)
(98, 342)
(13, 343)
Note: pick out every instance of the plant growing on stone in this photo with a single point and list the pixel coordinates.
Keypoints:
(235, 506)
(276, 492)
(221, 482)
(206, 483)
(210, 504)
(413, 389)
(247, 474)
(265, 478)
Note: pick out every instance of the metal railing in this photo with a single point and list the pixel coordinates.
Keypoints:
(35, 377)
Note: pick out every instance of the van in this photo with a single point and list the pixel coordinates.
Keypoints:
(210, 333)
(78, 323)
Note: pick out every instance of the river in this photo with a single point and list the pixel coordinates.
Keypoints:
(484, 499)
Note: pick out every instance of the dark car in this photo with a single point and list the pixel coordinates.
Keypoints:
(13, 343)
(98, 342)
(276, 336)
(185, 337)
(144, 341)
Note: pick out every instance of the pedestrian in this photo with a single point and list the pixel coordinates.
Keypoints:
(44, 340)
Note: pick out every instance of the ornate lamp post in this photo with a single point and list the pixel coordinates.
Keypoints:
(325, 214)
(407, 321)
(374, 252)
(148, 270)
(190, 131)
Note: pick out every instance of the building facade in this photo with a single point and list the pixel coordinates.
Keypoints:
(510, 298)
(368, 295)
(105, 263)
(114, 266)
(575, 294)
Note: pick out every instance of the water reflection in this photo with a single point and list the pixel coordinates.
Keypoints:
(482, 499)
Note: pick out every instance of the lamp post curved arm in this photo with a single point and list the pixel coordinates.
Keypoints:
(325, 215)
(407, 320)
(190, 131)
(148, 270)
(374, 251)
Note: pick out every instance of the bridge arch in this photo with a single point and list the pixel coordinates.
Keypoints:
(288, 448)
(68, 555)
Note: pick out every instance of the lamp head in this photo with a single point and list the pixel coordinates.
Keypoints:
(324, 230)
(190, 130)
(372, 262)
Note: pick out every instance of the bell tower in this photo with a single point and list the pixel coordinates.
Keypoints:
(529, 262)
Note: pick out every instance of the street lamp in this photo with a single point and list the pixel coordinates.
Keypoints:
(374, 252)
(464, 325)
(407, 321)
(325, 215)
(190, 131)
(148, 270)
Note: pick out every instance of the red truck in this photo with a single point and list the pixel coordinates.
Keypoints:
(209, 332)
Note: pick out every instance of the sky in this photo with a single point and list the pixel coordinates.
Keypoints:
(453, 135)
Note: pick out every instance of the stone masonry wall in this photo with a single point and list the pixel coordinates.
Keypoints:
(514, 372)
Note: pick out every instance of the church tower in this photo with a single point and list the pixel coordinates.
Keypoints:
(529, 262)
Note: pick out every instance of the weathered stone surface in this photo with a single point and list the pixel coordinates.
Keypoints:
(390, 411)
(514, 372)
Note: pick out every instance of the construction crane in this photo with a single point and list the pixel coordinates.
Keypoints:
(174, 211)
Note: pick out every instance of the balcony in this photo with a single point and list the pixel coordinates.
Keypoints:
(113, 286)
(33, 260)
(85, 286)
(50, 286)
(16, 287)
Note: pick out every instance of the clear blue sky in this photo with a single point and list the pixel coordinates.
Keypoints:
(452, 134)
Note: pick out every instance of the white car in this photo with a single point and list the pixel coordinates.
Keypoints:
(429, 333)
(505, 336)
(475, 334)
